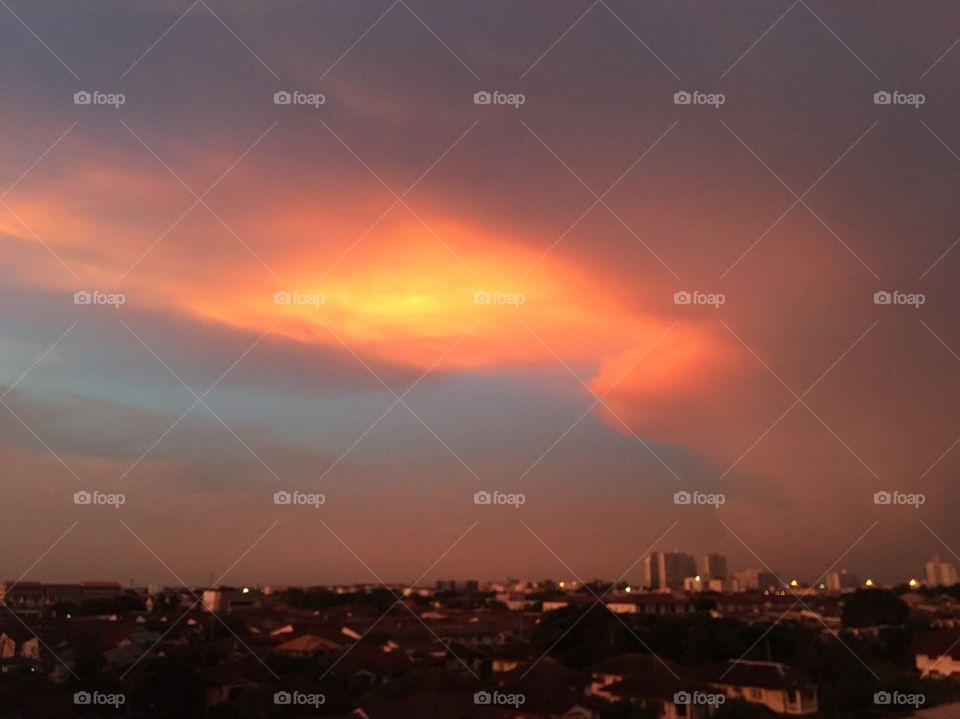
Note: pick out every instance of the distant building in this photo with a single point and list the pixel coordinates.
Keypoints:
(651, 604)
(227, 600)
(27, 596)
(723, 585)
(667, 570)
(66, 593)
(94, 591)
(940, 573)
(712, 566)
(839, 581)
(756, 579)
(22, 597)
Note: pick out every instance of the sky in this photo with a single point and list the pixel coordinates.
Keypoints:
(389, 213)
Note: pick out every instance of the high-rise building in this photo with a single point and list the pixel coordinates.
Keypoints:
(940, 573)
(712, 566)
(838, 581)
(756, 579)
(651, 571)
(667, 570)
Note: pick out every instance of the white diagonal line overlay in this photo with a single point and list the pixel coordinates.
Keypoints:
(198, 400)
(20, 579)
(798, 399)
(600, 601)
(198, 599)
(598, 400)
(21, 420)
(399, 600)
(800, 600)
(199, 200)
(799, 200)
(399, 399)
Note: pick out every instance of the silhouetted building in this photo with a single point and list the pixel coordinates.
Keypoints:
(940, 573)
(667, 570)
(712, 566)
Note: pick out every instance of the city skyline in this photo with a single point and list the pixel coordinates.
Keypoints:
(936, 573)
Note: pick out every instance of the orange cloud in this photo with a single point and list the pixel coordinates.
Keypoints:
(402, 295)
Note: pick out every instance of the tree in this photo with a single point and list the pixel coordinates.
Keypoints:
(873, 607)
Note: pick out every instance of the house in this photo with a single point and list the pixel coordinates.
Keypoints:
(308, 646)
(425, 704)
(771, 684)
(17, 641)
(236, 673)
(508, 658)
(944, 711)
(549, 689)
(22, 596)
(366, 665)
(647, 681)
(227, 600)
(651, 604)
(937, 653)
